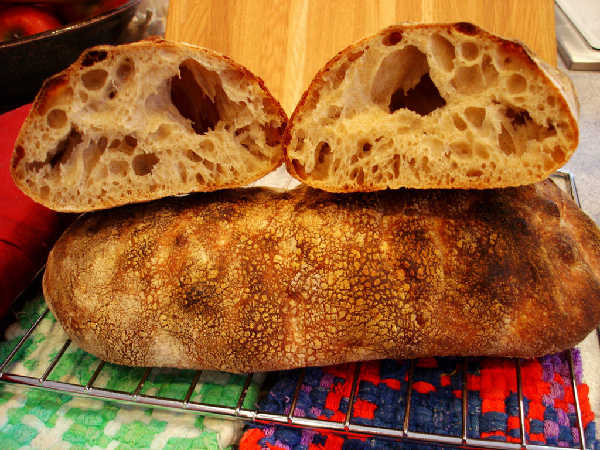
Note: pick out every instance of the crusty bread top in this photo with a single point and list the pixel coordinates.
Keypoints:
(432, 106)
(145, 120)
(254, 279)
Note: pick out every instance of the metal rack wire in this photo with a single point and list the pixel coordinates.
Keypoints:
(254, 414)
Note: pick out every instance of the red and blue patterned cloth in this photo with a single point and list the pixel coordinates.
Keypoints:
(436, 403)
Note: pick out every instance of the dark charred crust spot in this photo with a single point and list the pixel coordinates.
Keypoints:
(466, 28)
(392, 38)
(93, 56)
(551, 208)
(180, 240)
(199, 296)
(18, 156)
(565, 249)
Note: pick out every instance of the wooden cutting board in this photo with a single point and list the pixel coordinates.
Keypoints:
(286, 42)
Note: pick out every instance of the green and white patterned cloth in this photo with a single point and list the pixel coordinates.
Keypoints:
(41, 419)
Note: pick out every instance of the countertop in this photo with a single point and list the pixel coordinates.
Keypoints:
(585, 162)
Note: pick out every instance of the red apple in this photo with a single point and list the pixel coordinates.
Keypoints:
(19, 21)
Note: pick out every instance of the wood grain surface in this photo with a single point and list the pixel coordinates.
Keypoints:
(286, 42)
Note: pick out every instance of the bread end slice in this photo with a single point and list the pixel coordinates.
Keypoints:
(142, 121)
(432, 106)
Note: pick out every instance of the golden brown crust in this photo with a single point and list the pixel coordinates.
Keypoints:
(558, 85)
(174, 157)
(254, 280)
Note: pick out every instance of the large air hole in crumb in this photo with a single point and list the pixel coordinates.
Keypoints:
(182, 172)
(443, 52)
(402, 81)
(334, 112)
(273, 132)
(298, 168)
(459, 123)
(475, 115)
(143, 164)
(65, 148)
(56, 118)
(125, 69)
(490, 73)
(207, 147)
(119, 167)
(481, 151)
(198, 95)
(505, 141)
(94, 79)
(364, 149)
(519, 128)
(474, 173)
(92, 154)
(422, 99)
(129, 145)
(93, 56)
(468, 80)
(469, 50)
(396, 165)
(461, 149)
(392, 38)
(516, 83)
(254, 149)
(323, 157)
(163, 132)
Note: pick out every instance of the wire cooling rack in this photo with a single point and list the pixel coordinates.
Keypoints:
(241, 411)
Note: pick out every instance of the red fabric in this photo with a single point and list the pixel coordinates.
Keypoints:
(587, 415)
(334, 442)
(445, 380)
(274, 447)
(369, 372)
(250, 439)
(537, 437)
(473, 382)
(392, 383)
(27, 230)
(513, 422)
(423, 387)
(536, 410)
(364, 409)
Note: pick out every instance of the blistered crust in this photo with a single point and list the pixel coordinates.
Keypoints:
(254, 280)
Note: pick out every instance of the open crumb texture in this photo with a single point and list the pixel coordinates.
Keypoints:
(432, 106)
(142, 121)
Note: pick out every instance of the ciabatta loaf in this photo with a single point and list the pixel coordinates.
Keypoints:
(432, 106)
(146, 120)
(254, 279)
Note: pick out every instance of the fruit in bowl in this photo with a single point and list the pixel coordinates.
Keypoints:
(21, 20)
(29, 60)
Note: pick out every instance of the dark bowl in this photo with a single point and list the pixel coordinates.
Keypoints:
(28, 61)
